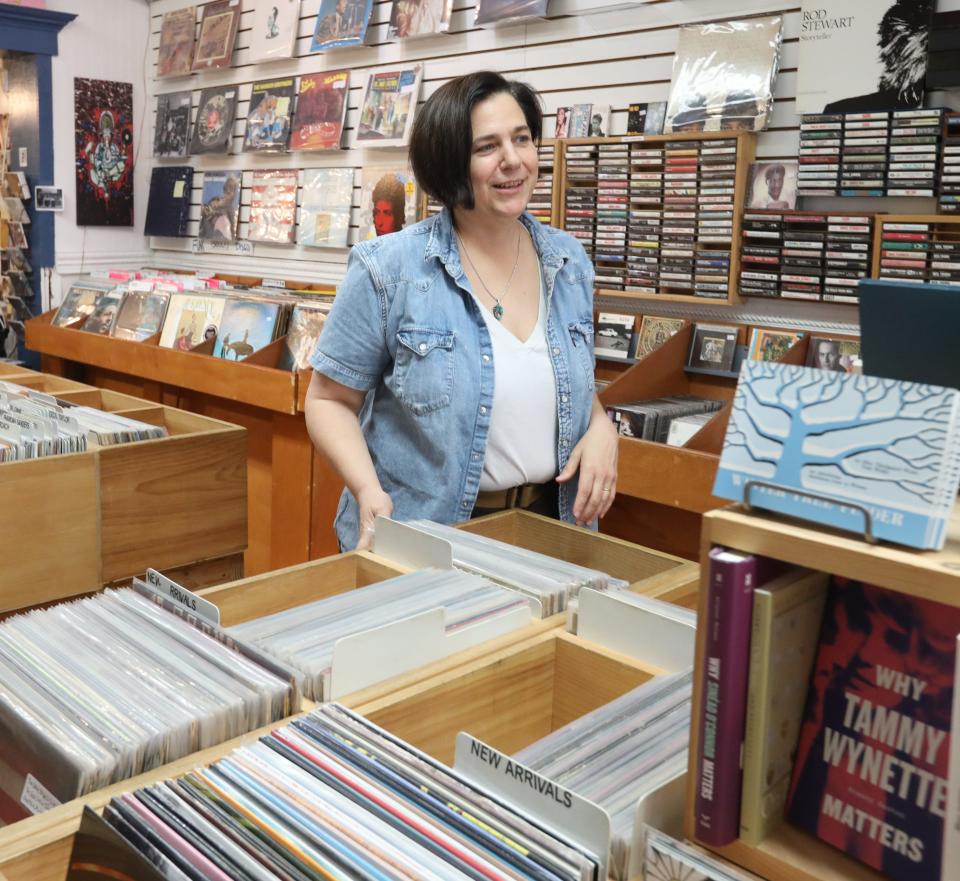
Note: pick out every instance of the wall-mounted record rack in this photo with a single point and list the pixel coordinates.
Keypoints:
(918, 248)
(805, 255)
(658, 214)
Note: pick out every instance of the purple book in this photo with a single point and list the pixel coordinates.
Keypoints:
(723, 701)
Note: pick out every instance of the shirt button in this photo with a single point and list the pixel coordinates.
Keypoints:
(486, 358)
(465, 503)
(556, 350)
(483, 411)
(563, 399)
(476, 457)
(422, 347)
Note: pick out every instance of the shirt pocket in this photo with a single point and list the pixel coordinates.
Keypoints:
(581, 335)
(423, 373)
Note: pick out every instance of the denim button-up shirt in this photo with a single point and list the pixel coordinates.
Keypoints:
(405, 328)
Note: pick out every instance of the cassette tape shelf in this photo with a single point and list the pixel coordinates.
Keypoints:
(82, 520)
(37, 848)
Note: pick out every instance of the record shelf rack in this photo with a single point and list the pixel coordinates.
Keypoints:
(293, 491)
(81, 520)
(790, 854)
(917, 248)
(527, 679)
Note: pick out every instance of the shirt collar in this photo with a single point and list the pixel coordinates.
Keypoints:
(442, 242)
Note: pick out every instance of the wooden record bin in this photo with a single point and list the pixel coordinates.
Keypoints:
(292, 491)
(653, 573)
(790, 853)
(664, 490)
(509, 698)
(81, 520)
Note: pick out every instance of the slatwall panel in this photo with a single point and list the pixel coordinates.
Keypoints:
(614, 58)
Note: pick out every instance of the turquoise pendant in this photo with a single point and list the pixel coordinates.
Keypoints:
(498, 312)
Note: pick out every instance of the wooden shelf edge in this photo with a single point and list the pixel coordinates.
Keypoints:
(671, 476)
(253, 384)
(666, 298)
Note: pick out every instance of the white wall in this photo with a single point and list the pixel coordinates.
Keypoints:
(107, 40)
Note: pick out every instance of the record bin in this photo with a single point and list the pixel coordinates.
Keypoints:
(83, 520)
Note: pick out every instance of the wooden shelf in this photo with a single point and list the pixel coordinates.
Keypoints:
(83, 520)
(246, 381)
(662, 298)
(949, 222)
(791, 854)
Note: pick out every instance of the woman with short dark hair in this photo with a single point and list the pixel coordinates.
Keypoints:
(454, 375)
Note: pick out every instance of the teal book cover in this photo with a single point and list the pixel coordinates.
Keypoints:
(824, 445)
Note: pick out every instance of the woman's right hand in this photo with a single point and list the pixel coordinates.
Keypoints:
(372, 504)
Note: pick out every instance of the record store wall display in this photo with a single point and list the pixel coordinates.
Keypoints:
(341, 23)
(858, 56)
(103, 114)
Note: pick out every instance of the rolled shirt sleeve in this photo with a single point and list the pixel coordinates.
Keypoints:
(352, 348)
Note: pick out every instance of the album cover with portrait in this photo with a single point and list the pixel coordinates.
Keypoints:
(419, 18)
(213, 129)
(220, 206)
(828, 353)
(218, 33)
(388, 201)
(103, 113)
(723, 76)
(861, 56)
(341, 23)
(269, 114)
(713, 347)
(773, 185)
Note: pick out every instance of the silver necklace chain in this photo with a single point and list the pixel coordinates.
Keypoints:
(498, 301)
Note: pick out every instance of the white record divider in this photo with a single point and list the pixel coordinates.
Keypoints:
(655, 633)
(359, 660)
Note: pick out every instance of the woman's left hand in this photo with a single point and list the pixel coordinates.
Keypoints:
(596, 457)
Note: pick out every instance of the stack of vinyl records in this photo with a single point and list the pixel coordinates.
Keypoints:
(619, 753)
(328, 796)
(97, 690)
(33, 425)
(651, 420)
(551, 581)
(304, 636)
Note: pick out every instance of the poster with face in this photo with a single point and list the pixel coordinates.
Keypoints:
(103, 114)
(773, 185)
(387, 202)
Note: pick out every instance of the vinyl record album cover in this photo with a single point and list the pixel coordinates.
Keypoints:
(190, 320)
(341, 23)
(213, 129)
(833, 354)
(713, 347)
(386, 115)
(771, 345)
(104, 152)
(177, 33)
(220, 206)
(171, 134)
(306, 322)
(273, 29)
(218, 32)
(723, 75)
(321, 109)
(268, 115)
(273, 206)
(773, 185)
(419, 18)
(859, 56)
(141, 315)
(599, 121)
(104, 315)
(387, 202)
(325, 207)
(654, 332)
(246, 327)
(496, 12)
(78, 303)
(168, 208)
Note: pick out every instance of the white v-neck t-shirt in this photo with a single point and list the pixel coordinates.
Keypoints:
(522, 441)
